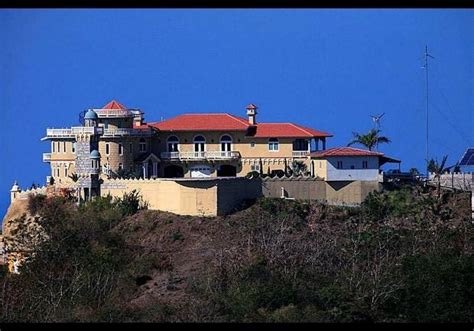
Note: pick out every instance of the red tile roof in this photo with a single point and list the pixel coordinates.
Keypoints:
(287, 130)
(345, 151)
(224, 121)
(202, 122)
(114, 105)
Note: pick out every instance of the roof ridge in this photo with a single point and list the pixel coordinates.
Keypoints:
(241, 120)
(300, 128)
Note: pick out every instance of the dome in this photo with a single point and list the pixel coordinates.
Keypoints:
(95, 154)
(90, 115)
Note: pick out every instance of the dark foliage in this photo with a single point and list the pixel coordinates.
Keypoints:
(403, 256)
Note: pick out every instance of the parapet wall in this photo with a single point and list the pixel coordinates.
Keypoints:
(196, 197)
(462, 181)
(347, 193)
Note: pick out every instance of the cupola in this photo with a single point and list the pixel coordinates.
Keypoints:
(252, 113)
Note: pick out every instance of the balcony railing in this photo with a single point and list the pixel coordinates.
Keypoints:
(113, 113)
(120, 132)
(71, 132)
(212, 155)
(300, 154)
(46, 157)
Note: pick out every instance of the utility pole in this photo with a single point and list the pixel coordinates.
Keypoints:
(427, 55)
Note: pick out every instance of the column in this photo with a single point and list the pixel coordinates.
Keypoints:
(144, 170)
(155, 169)
(324, 144)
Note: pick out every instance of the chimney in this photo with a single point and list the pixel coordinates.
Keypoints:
(252, 113)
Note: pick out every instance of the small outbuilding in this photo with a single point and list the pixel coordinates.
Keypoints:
(348, 164)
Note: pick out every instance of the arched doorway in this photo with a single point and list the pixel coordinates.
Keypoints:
(227, 170)
(173, 171)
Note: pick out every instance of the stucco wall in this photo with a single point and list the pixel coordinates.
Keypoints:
(197, 197)
(357, 173)
(334, 193)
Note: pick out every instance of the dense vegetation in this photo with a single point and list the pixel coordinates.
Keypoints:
(404, 255)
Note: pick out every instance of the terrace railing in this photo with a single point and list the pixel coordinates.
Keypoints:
(212, 155)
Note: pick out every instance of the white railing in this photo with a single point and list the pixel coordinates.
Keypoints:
(113, 112)
(220, 155)
(86, 130)
(70, 132)
(59, 133)
(46, 157)
(120, 132)
(212, 155)
(300, 153)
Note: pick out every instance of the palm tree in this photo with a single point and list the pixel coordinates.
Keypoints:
(369, 140)
(299, 168)
(438, 169)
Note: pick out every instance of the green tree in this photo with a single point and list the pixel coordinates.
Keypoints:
(299, 168)
(369, 140)
(438, 169)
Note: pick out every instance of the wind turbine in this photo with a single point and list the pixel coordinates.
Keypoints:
(376, 120)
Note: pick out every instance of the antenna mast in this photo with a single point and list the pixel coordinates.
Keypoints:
(427, 55)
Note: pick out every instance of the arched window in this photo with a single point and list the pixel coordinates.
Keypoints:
(226, 143)
(273, 145)
(199, 144)
(173, 143)
(142, 146)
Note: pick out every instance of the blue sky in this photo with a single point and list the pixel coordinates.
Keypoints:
(325, 68)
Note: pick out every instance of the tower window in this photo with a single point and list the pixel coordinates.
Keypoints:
(64, 146)
(74, 147)
(120, 166)
(252, 144)
(107, 149)
(142, 146)
(53, 146)
(131, 148)
(120, 149)
(339, 164)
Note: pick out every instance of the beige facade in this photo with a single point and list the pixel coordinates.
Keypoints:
(195, 197)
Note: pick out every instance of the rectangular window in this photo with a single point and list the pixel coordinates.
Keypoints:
(53, 146)
(120, 166)
(252, 144)
(107, 149)
(64, 146)
(120, 149)
(131, 148)
(142, 146)
(255, 167)
(73, 148)
(273, 145)
(65, 172)
(339, 164)
(364, 164)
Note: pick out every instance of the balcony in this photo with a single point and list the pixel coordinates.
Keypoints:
(71, 132)
(300, 154)
(121, 132)
(46, 157)
(198, 156)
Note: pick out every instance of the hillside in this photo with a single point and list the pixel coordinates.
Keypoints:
(402, 256)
